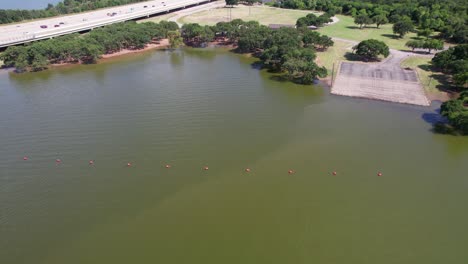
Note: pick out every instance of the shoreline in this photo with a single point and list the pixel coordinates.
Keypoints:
(164, 43)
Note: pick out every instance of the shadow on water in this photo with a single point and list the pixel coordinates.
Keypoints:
(433, 117)
(440, 124)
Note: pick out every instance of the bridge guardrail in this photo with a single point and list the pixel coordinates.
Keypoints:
(97, 23)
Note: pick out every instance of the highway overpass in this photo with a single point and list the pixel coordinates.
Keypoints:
(14, 34)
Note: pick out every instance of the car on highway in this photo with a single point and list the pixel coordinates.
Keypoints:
(62, 23)
(56, 25)
(145, 6)
(43, 26)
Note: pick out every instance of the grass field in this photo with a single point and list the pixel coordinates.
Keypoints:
(433, 82)
(157, 19)
(346, 29)
(333, 54)
(263, 14)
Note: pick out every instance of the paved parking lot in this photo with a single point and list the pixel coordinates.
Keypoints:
(385, 81)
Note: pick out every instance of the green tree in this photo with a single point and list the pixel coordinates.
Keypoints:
(425, 32)
(191, 32)
(300, 66)
(362, 20)
(461, 79)
(11, 55)
(232, 2)
(371, 49)
(456, 111)
(175, 40)
(433, 44)
(403, 26)
(380, 20)
(414, 44)
(454, 61)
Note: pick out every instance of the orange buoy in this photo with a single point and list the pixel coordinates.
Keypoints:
(25, 158)
(334, 173)
(205, 168)
(129, 164)
(290, 171)
(247, 170)
(167, 166)
(91, 162)
(379, 174)
(58, 160)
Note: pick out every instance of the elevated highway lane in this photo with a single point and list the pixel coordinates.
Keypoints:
(31, 31)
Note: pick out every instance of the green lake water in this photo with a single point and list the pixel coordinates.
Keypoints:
(197, 108)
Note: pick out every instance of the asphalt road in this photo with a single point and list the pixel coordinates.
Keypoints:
(28, 30)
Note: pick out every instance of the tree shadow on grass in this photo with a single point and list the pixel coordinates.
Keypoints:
(416, 51)
(353, 27)
(390, 36)
(352, 56)
(443, 79)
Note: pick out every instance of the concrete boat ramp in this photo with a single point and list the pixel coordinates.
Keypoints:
(385, 81)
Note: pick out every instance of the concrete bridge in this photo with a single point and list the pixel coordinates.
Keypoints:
(14, 34)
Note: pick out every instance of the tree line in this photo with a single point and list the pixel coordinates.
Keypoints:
(291, 51)
(448, 17)
(61, 8)
(85, 48)
(454, 63)
(456, 111)
(287, 50)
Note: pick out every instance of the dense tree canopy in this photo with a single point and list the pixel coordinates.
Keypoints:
(362, 20)
(403, 26)
(454, 61)
(313, 20)
(85, 48)
(380, 19)
(371, 49)
(287, 50)
(456, 111)
(429, 44)
(449, 17)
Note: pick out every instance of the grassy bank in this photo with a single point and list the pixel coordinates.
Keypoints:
(333, 54)
(434, 83)
(263, 14)
(346, 29)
